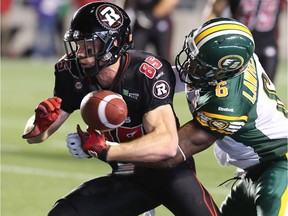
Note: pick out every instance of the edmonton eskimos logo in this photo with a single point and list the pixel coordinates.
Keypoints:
(231, 62)
(109, 16)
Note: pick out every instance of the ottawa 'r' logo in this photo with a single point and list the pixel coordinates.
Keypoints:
(109, 16)
(161, 89)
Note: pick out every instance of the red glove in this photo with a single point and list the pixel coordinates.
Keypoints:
(93, 143)
(46, 114)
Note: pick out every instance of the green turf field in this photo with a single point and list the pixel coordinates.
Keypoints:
(34, 176)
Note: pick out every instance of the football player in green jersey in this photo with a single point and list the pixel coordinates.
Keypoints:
(235, 105)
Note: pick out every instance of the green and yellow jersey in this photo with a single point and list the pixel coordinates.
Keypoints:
(245, 115)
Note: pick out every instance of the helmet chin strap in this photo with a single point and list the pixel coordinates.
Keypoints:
(106, 57)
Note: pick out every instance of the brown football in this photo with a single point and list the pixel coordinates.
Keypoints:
(103, 110)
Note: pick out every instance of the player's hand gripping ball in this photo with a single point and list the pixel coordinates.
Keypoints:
(103, 110)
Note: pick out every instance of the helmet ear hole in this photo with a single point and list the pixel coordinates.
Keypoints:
(220, 41)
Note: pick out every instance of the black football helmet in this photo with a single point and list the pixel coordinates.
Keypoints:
(98, 20)
(218, 50)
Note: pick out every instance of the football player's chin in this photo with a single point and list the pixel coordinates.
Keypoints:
(86, 66)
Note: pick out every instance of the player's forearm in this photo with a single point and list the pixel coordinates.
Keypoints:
(149, 148)
(158, 144)
(28, 127)
(38, 139)
(47, 133)
(165, 164)
(193, 139)
(41, 137)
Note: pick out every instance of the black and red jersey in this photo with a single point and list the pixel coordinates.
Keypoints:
(144, 80)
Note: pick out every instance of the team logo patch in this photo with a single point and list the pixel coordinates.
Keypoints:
(218, 124)
(231, 62)
(130, 94)
(109, 16)
(78, 85)
(161, 89)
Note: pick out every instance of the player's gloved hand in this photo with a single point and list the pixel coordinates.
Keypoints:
(46, 114)
(93, 143)
(73, 142)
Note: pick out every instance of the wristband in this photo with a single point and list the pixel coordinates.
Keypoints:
(182, 152)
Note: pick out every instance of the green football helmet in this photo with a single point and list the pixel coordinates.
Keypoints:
(218, 50)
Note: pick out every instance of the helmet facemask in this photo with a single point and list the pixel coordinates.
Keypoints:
(192, 70)
(102, 46)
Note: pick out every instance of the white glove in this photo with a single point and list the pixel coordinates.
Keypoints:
(74, 145)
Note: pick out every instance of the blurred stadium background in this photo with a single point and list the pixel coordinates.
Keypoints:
(33, 177)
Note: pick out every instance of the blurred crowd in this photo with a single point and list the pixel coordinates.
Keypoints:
(35, 28)
(32, 27)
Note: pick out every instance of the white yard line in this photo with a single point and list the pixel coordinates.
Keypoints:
(44, 172)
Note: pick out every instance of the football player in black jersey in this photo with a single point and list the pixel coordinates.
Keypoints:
(99, 57)
(153, 24)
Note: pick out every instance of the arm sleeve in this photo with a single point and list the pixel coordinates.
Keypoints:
(70, 89)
